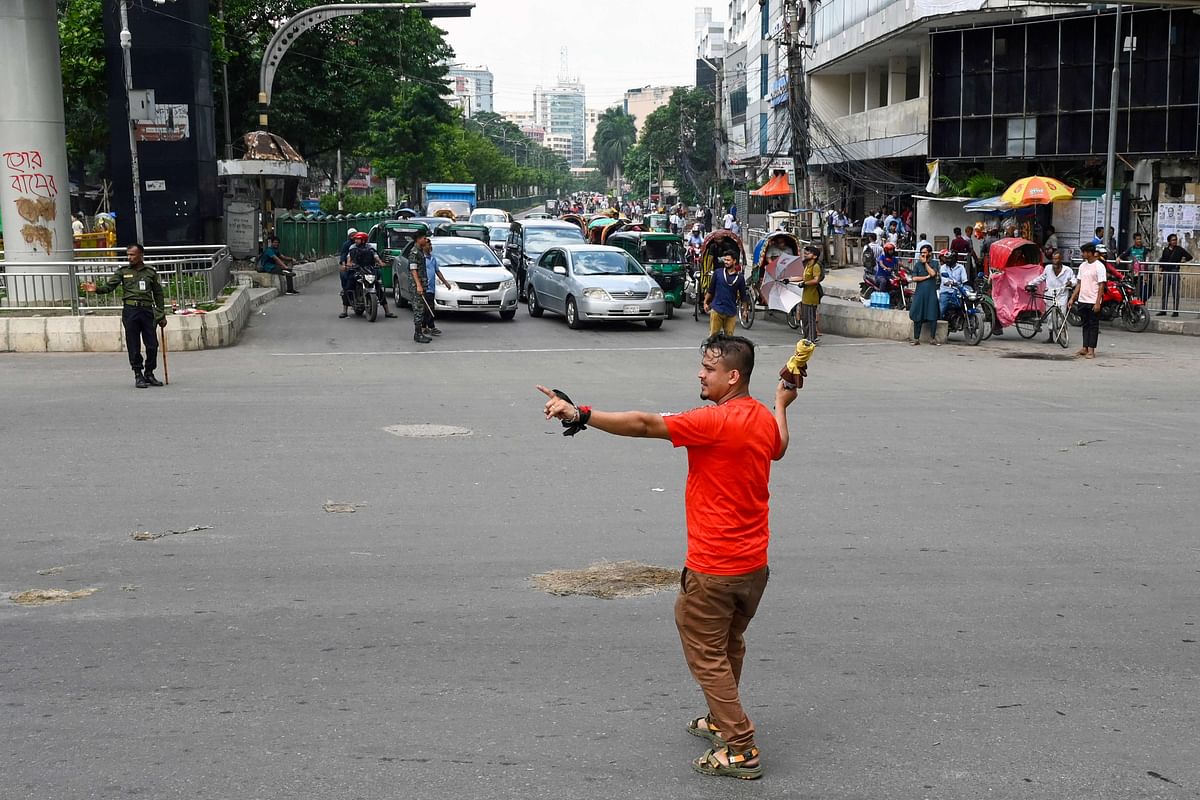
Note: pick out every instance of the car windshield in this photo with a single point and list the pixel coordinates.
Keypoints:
(465, 254)
(538, 240)
(662, 252)
(481, 218)
(599, 262)
(498, 234)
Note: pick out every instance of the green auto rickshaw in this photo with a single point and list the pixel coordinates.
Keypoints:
(469, 230)
(661, 255)
(390, 239)
(659, 223)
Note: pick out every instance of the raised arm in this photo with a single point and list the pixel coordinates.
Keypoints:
(637, 424)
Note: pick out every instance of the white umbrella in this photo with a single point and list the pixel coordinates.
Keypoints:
(781, 282)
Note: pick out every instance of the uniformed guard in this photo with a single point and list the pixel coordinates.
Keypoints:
(143, 308)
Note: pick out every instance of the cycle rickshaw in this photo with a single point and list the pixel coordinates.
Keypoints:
(776, 244)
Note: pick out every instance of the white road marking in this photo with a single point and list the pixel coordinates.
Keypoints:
(552, 350)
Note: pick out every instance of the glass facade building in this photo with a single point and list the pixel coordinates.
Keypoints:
(1041, 89)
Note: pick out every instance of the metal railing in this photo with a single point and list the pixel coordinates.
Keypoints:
(1166, 288)
(190, 274)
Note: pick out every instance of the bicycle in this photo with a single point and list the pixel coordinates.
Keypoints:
(1029, 323)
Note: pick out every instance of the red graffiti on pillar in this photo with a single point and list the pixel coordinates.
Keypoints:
(26, 176)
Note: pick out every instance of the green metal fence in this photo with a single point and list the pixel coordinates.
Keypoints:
(317, 235)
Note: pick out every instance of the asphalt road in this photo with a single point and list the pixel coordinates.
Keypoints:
(984, 570)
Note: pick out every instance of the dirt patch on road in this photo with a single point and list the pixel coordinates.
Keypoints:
(40, 597)
(608, 580)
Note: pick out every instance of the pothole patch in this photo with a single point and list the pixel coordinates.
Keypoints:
(149, 536)
(608, 580)
(423, 431)
(340, 508)
(1040, 356)
(41, 597)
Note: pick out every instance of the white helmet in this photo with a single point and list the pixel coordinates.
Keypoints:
(351, 232)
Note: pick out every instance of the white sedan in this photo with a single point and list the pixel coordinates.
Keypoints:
(479, 282)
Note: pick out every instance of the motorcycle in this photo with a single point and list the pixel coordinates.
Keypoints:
(363, 294)
(900, 292)
(1121, 301)
(968, 314)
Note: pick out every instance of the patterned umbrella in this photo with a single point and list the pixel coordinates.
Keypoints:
(1036, 190)
(781, 283)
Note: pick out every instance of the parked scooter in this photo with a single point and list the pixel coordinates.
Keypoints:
(899, 291)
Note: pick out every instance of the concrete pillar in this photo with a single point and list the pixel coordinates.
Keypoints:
(35, 196)
(897, 79)
(858, 92)
(871, 96)
(925, 71)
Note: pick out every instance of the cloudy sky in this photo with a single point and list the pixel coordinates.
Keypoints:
(612, 45)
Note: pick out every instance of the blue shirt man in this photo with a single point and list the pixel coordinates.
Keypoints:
(952, 273)
(728, 284)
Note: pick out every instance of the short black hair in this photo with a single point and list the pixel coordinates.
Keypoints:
(736, 351)
(139, 247)
(958, 231)
(1087, 247)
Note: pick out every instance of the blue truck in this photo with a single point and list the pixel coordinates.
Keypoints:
(457, 197)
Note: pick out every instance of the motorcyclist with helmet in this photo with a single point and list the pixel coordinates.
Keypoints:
(885, 268)
(361, 256)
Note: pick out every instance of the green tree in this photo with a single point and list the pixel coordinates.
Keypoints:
(411, 137)
(615, 134)
(85, 99)
(678, 136)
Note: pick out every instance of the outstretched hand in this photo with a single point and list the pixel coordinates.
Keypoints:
(556, 407)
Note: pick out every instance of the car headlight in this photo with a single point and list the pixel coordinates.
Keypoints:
(511, 283)
(656, 293)
(597, 294)
(453, 286)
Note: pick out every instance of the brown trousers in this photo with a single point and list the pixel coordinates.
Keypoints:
(712, 613)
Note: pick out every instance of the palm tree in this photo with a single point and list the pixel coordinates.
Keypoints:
(615, 134)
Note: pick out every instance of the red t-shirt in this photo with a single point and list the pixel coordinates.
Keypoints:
(730, 450)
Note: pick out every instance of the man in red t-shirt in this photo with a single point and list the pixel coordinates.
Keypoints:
(731, 445)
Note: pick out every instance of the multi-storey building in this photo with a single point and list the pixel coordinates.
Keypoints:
(641, 103)
(561, 111)
(472, 87)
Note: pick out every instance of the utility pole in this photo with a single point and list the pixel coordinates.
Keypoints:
(126, 44)
(794, 16)
(1110, 166)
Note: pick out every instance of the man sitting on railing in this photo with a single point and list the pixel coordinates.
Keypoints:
(274, 262)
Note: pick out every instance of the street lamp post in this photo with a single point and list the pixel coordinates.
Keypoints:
(1110, 165)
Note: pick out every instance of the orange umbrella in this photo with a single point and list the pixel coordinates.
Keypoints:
(1036, 190)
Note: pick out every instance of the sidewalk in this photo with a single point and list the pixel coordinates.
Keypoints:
(843, 283)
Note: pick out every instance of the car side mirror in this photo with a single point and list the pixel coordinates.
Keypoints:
(560, 270)
(506, 262)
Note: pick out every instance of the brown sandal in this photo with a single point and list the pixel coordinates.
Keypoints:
(709, 764)
(710, 731)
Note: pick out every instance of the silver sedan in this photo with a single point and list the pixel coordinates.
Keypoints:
(594, 283)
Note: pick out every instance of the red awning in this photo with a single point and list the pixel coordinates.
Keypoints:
(778, 185)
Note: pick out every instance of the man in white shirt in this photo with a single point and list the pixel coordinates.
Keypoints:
(1058, 279)
(1088, 297)
(870, 224)
(727, 223)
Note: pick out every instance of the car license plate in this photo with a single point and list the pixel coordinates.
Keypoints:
(479, 299)
(632, 309)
